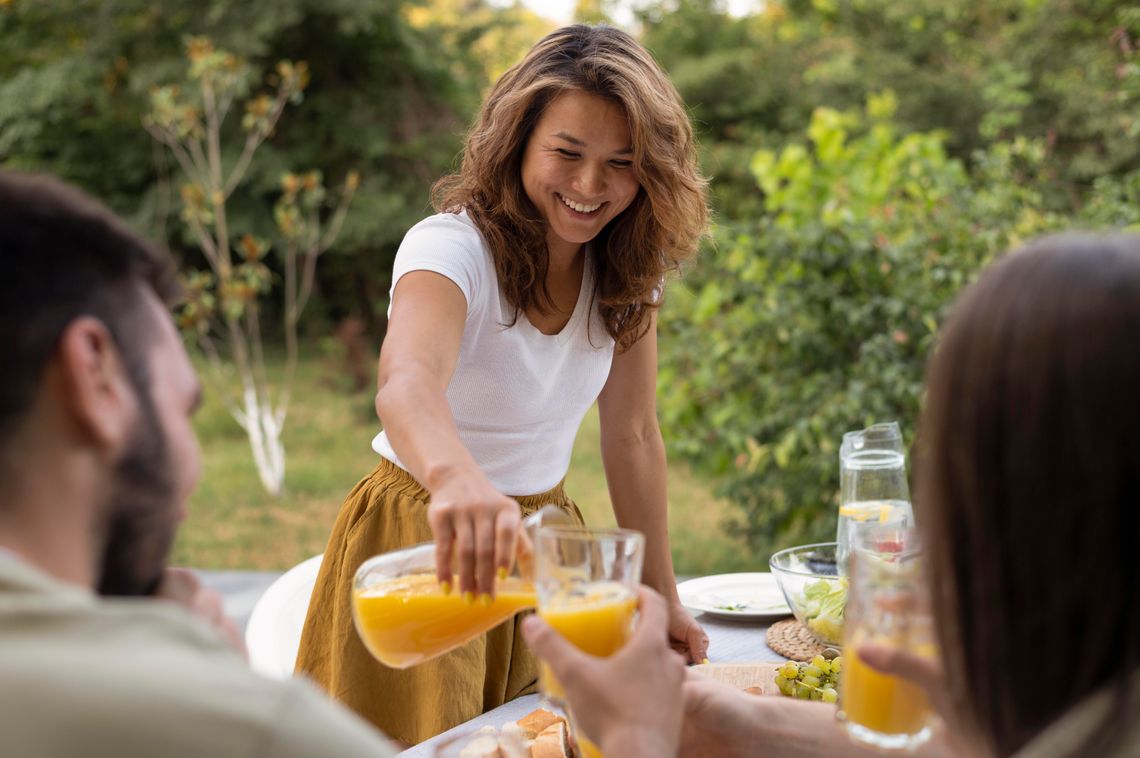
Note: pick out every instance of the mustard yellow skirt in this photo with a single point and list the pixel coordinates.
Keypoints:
(386, 511)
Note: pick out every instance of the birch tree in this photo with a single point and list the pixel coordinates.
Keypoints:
(222, 310)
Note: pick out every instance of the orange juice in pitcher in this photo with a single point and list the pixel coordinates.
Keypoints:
(403, 615)
(409, 619)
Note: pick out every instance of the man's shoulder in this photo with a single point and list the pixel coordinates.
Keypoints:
(147, 679)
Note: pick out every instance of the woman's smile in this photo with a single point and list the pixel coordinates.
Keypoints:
(585, 210)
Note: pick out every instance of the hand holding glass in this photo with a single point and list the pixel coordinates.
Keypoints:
(888, 605)
(587, 582)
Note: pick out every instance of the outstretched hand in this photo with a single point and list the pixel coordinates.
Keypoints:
(630, 704)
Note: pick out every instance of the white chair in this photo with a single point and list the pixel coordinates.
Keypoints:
(274, 630)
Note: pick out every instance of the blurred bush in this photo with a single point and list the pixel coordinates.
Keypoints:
(816, 317)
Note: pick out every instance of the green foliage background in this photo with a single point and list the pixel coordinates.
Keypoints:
(868, 157)
(390, 97)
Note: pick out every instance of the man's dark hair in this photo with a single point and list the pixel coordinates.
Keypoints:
(62, 256)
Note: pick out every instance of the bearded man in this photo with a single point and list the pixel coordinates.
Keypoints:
(104, 651)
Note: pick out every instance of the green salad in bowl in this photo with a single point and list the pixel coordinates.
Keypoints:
(814, 590)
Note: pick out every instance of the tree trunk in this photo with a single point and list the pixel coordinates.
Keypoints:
(265, 442)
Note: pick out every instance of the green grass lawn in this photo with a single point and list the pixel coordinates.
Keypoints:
(233, 524)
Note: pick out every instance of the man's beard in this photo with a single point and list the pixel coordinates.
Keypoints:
(140, 513)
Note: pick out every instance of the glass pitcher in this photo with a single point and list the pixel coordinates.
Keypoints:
(873, 486)
(403, 616)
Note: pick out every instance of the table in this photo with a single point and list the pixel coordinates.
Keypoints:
(730, 641)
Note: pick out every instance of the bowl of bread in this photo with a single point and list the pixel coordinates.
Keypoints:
(539, 734)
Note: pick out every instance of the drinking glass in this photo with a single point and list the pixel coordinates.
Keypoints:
(873, 485)
(586, 581)
(887, 605)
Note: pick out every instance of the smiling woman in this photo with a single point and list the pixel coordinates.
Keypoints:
(530, 296)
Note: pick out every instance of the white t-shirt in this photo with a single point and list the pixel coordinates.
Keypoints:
(518, 396)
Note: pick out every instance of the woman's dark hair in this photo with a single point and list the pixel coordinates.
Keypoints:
(1029, 488)
(62, 255)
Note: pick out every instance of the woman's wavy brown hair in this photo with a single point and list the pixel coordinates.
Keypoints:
(1029, 490)
(660, 229)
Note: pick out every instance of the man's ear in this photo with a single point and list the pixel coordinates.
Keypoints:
(97, 389)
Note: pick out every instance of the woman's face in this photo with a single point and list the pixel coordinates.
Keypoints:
(577, 168)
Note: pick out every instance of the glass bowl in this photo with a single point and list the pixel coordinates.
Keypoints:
(814, 590)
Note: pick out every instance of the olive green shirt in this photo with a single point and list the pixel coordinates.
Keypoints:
(87, 676)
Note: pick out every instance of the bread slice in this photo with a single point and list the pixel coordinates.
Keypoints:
(536, 721)
(485, 744)
(513, 742)
(552, 742)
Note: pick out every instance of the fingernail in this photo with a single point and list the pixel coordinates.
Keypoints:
(502, 573)
(485, 599)
(445, 587)
(469, 597)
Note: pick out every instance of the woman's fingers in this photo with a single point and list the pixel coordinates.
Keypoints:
(921, 670)
(924, 671)
(465, 553)
(484, 529)
(444, 532)
(475, 534)
(506, 539)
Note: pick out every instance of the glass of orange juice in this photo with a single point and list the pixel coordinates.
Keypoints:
(586, 581)
(887, 605)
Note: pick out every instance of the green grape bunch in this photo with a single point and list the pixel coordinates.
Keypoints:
(817, 679)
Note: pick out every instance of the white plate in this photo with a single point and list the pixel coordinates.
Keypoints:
(742, 596)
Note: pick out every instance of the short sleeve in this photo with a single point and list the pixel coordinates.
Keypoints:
(447, 244)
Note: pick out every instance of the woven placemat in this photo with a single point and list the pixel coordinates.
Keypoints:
(792, 639)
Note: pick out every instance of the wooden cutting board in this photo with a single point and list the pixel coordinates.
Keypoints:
(760, 674)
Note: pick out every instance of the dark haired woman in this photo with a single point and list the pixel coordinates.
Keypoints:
(1029, 500)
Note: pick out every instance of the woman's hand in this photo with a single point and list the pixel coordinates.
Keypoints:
(476, 531)
(950, 738)
(923, 671)
(686, 635)
(630, 704)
